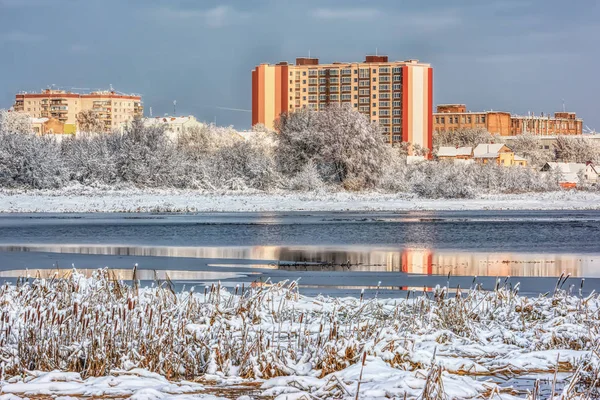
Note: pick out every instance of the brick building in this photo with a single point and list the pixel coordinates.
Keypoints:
(396, 94)
(113, 109)
(450, 117)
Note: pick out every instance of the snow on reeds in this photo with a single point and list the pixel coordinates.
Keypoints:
(439, 346)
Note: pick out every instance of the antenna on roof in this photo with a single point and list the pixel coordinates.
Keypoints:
(376, 51)
(564, 108)
(174, 108)
(150, 112)
(111, 87)
(308, 53)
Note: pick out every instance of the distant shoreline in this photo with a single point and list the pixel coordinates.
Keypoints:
(92, 200)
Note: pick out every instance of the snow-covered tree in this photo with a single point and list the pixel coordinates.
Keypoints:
(462, 137)
(576, 149)
(344, 145)
(15, 122)
(89, 121)
(530, 147)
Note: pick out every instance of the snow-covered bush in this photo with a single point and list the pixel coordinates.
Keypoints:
(29, 161)
(308, 179)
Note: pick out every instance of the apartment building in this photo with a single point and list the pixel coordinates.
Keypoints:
(396, 94)
(112, 108)
(450, 117)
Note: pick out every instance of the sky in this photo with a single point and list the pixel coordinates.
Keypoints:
(510, 55)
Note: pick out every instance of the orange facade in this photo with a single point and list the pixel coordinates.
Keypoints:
(396, 95)
(451, 117)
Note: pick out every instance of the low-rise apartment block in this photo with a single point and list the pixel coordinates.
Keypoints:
(111, 108)
(450, 117)
(397, 95)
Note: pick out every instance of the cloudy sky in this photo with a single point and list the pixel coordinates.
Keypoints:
(512, 55)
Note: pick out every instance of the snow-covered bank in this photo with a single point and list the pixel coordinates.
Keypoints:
(104, 338)
(97, 200)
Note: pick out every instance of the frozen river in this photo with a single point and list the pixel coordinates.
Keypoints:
(334, 253)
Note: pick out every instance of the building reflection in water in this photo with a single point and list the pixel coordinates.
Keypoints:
(358, 258)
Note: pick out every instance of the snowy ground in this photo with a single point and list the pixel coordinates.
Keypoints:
(95, 337)
(97, 200)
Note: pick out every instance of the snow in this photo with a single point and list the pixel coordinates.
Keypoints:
(137, 383)
(172, 200)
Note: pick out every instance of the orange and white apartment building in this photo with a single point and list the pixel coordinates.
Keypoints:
(113, 109)
(396, 94)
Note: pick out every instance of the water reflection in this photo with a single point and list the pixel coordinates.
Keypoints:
(125, 274)
(357, 258)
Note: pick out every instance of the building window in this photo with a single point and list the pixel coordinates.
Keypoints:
(456, 120)
(384, 104)
(304, 90)
(322, 89)
(442, 120)
(355, 97)
(346, 72)
(346, 88)
(397, 104)
(364, 100)
(396, 138)
(397, 95)
(397, 78)
(397, 70)
(374, 113)
(374, 71)
(334, 80)
(396, 121)
(384, 96)
(397, 112)
(323, 97)
(397, 86)
(483, 119)
(384, 79)
(346, 79)
(374, 104)
(304, 98)
(334, 89)
(374, 96)
(322, 81)
(312, 89)
(384, 70)
(346, 97)
(384, 87)
(355, 105)
(469, 119)
(303, 73)
(334, 72)
(312, 72)
(334, 97)
(363, 84)
(374, 87)
(384, 113)
(374, 79)
(312, 98)
(384, 121)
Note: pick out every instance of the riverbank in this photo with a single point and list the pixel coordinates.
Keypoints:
(173, 200)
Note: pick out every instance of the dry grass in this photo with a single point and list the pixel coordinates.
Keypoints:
(96, 325)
